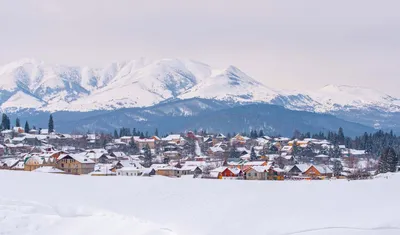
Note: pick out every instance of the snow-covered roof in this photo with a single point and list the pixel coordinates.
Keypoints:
(79, 157)
(254, 163)
(216, 149)
(260, 168)
(323, 169)
(322, 156)
(302, 167)
(172, 137)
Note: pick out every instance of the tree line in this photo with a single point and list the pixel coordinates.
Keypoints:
(6, 124)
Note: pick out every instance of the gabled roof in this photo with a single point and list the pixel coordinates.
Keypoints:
(302, 167)
(79, 157)
(323, 169)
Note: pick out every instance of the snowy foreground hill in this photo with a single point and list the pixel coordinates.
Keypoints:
(39, 203)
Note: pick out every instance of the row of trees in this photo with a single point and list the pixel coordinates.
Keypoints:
(127, 132)
(6, 124)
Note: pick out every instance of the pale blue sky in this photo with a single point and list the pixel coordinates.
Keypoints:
(285, 44)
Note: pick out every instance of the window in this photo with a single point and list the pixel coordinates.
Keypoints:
(62, 165)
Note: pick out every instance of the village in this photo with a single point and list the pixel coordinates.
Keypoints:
(192, 154)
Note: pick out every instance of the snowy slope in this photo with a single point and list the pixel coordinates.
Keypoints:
(30, 83)
(333, 98)
(231, 84)
(163, 206)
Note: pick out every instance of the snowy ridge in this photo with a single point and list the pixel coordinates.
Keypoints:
(30, 83)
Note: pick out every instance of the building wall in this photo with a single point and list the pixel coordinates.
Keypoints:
(71, 166)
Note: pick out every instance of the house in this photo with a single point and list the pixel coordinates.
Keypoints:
(148, 172)
(192, 170)
(247, 165)
(216, 151)
(319, 171)
(298, 170)
(287, 149)
(125, 163)
(142, 143)
(77, 164)
(9, 163)
(119, 155)
(239, 140)
(96, 154)
(18, 130)
(129, 171)
(171, 154)
(226, 173)
(256, 173)
(275, 173)
(33, 162)
(172, 171)
(176, 138)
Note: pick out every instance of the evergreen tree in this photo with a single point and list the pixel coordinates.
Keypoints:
(295, 149)
(27, 129)
(116, 136)
(337, 168)
(17, 123)
(134, 133)
(147, 134)
(5, 122)
(388, 161)
(261, 133)
(133, 147)
(147, 156)
(51, 124)
(141, 135)
(253, 155)
(340, 136)
(234, 153)
(156, 132)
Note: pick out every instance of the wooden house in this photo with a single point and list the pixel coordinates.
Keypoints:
(319, 171)
(77, 164)
(256, 173)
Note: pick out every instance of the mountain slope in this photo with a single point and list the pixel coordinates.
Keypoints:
(37, 86)
(183, 115)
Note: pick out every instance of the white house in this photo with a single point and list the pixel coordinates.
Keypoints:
(129, 171)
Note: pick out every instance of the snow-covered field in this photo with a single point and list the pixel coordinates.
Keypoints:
(39, 203)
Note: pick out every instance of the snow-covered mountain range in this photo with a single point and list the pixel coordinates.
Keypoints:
(33, 84)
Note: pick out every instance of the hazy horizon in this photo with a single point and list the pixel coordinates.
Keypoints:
(297, 46)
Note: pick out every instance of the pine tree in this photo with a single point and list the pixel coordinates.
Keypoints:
(388, 161)
(5, 122)
(261, 133)
(337, 168)
(17, 123)
(147, 156)
(295, 149)
(116, 136)
(133, 146)
(234, 153)
(340, 136)
(51, 124)
(253, 155)
(156, 132)
(27, 129)
(392, 160)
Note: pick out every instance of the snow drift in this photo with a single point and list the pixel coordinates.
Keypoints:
(35, 203)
